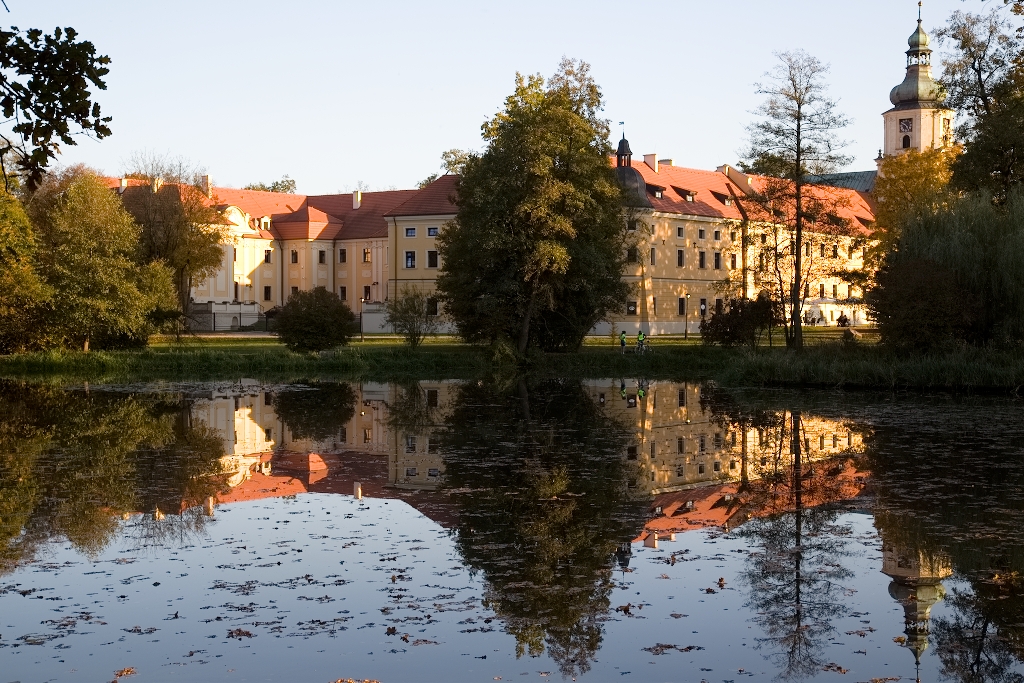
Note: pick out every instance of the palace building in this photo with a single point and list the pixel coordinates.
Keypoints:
(701, 236)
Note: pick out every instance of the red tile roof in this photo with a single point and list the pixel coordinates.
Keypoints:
(710, 189)
(369, 220)
(436, 199)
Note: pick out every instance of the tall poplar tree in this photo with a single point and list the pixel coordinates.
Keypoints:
(797, 131)
(536, 251)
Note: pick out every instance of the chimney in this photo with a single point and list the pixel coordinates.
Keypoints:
(157, 184)
(124, 186)
(357, 199)
(666, 162)
(744, 181)
(207, 184)
(652, 161)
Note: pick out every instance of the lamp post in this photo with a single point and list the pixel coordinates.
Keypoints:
(362, 300)
(686, 318)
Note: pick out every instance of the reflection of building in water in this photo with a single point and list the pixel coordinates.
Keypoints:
(917, 585)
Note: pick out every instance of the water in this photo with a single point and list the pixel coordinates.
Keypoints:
(508, 530)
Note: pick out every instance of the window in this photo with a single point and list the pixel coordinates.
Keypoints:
(631, 225)
(682, 398)
(322, 257)
(410, 259)
(367, 435)
(700, 468)
(732, 235)
(718, 466)
(410, 232)
(630, 308)
(718, 235)
(432, 306)
(835, 291)
(835, 251)
(410, 444)
(807, 290)
(654, 305)
(680, 258)
(295, 290)
(343, 256)
(295, 256)
(411, 471)
(632, 255)
(719, 304)
(366, 292)
(367, 256)
(732, 464)
(821, 441)
(702, 259)
(732, 261)
(680, 445)
(682, 305)
(654, 451)
(631, 453)
(906, 142)
(432, 396)
(703, 443)
(234, 254)
(700, 233)
(343, 293)
(433, 471)
(431, 232)
(266, 256)
(653, 252)
(680, 231)
(807, 249)
(703, 307)
(268, 434)
(821, 291)
(718, 260)
(266, 293)
(432, 259)
(432, 447)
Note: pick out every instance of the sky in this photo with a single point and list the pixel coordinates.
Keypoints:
(337, 93)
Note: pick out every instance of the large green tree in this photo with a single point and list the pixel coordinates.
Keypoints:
(536, 251)
(22, 293)
(87, 249)
(46, 83)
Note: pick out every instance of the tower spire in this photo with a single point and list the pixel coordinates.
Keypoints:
(920, 3)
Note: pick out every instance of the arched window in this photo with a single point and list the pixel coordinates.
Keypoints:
(906, 142)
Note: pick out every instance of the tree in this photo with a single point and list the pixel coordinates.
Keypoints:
(536, 250)
(412, 314)
(315, 321)
(181, 226)
(426, 181)
(22, 294)
(87, 250)
(961, 267)
(798, 126)
(46, 84)
(317, 410)
(909, 186)
(285, 185)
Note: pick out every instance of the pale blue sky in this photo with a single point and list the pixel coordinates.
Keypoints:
(337, 92)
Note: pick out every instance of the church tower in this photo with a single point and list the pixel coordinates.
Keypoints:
(918, 119)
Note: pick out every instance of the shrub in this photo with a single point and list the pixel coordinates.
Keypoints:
(315, 321)
(412, 314)
(742, 322)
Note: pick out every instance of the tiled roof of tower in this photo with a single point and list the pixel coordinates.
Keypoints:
(368, 221)
(436, 199)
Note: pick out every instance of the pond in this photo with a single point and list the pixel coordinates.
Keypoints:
(508, 529)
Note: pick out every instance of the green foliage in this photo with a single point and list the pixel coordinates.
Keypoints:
(537, 248)
(315, 321)
(971, 256)
(743, 322)
(22, 294)
(285, 185)
(768, 164)
(87, 251)
(317, 410)
(45, 90)
(426, 181)
(413, 315)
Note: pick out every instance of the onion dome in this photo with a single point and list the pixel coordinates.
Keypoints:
(919, 89)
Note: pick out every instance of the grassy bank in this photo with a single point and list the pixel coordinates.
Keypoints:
(824, 365)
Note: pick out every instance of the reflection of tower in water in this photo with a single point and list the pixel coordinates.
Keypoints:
(917, 585)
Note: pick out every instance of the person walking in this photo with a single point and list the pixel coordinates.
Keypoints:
(622, 342)
(640, 339)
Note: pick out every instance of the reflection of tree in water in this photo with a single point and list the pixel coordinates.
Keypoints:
(795, 573)
(315, 410)
(75, 461)
(949, 480)
(539, 473)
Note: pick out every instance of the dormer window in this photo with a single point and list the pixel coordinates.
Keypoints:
(657, 190)
(265, 223)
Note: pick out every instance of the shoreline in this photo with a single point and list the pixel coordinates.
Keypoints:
(831, 365)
